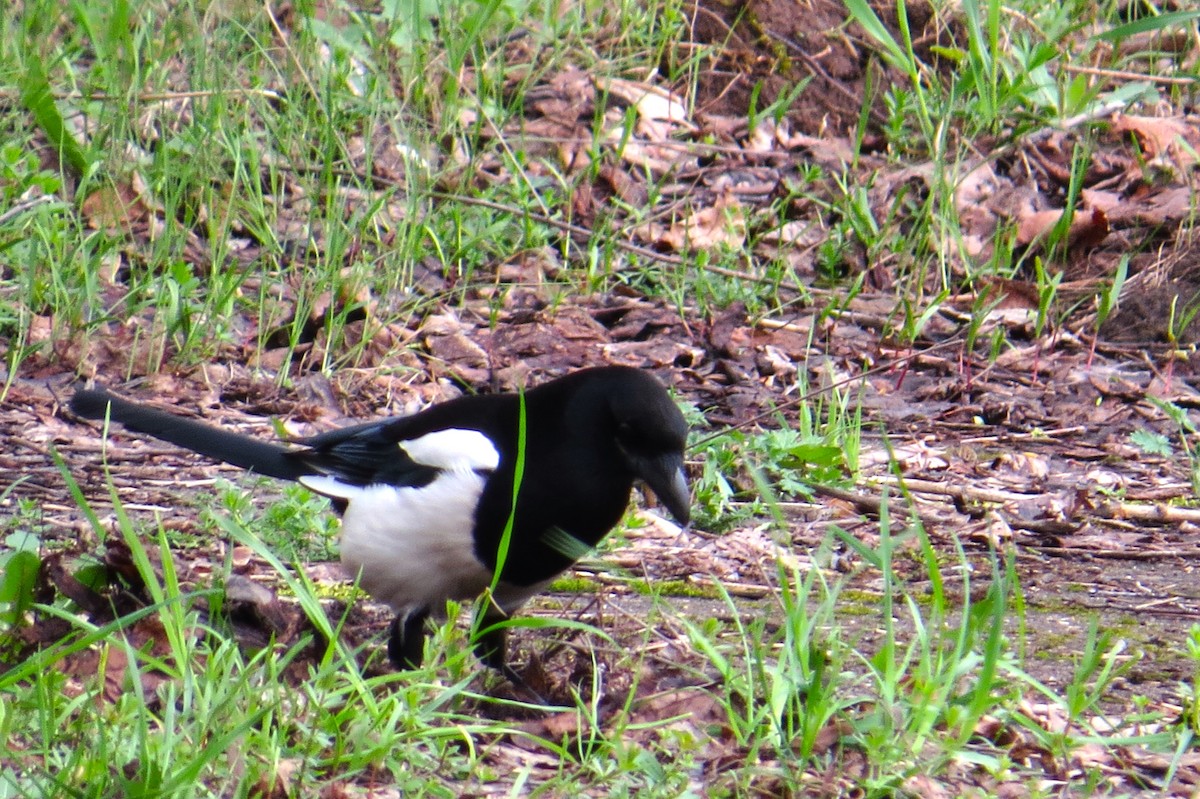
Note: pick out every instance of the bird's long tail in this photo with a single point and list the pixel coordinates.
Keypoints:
(260, 457)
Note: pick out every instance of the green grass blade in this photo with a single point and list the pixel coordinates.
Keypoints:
(1162, 21)
(892, 52)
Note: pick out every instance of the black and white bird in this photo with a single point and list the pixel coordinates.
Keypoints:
(425, 499)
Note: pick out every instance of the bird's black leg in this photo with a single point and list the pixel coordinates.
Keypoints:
(406, 646)
(491, 642)
(491, 645)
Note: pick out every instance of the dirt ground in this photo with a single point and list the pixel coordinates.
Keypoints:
(1037, 457)
(1036, 460)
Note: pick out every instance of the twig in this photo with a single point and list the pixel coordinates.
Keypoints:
(955, 492)
(1119, 554)
(868, 503)
(22, 207)
(1120, 74)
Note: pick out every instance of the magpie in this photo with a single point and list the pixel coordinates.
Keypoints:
(428, 500)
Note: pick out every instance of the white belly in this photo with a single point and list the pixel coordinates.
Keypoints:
(412, 547)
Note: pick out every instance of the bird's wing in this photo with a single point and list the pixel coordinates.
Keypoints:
(373, 455)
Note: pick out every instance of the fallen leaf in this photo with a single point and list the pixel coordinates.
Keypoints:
(724, 223)
(1088, 227)
(1164, 139)
(652, 102)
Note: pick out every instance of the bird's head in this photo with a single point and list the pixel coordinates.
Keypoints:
(651, 435)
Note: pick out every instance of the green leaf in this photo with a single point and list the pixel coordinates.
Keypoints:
(1151, 443)
(22, 541)
(37, 97)
(16, 587)
(813, 455)
(954, 54)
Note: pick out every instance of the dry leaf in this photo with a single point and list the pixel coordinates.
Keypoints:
(651, 102)
(1165, 140)
(722, 224)
(1088, 227)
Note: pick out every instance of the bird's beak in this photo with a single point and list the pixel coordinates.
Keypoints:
(666, 478)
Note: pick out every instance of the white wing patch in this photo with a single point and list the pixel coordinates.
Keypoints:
(451, 450)
(330, 487)
(454, 449)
